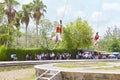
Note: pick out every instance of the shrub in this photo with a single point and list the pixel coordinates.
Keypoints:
(21, 53)
(3, 54)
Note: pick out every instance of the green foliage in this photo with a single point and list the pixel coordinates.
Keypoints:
(3, 34)
(3, 39)
(114, 45)
(111, 40)
(12, 2)
(46, 28)
(2, 11)
(38, 9)
(3, 54)
(7, 26)
(77, 35)
(110, 43)
(21, 53)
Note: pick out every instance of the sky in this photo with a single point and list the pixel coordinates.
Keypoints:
(100, 14)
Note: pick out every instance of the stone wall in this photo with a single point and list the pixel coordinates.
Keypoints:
(89, 76)
(81, 73)
(82, 76)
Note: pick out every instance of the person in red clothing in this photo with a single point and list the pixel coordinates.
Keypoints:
(96, 38)
(58, 37)
(60, 28)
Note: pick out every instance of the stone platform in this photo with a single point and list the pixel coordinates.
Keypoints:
(108, 72)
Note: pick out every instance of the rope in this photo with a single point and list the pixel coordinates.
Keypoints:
(53, 47)
(65, 7)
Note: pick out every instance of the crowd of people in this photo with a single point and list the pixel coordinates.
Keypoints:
(51, 56)
(96, 55)
(63, 56)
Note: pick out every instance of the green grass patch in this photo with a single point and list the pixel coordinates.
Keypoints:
(80, 64)
(14, 68)
(29, 77)
(107, 68)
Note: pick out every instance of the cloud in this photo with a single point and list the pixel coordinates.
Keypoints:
(64, 10)
(111, 6)
(1, 0)
(79, 14)
(99, 18)
(113, 23)
(96, 16)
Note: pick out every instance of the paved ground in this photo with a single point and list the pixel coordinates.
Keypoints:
(19, 63)
(17, 74)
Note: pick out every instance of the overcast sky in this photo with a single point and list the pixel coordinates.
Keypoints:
(100, 14)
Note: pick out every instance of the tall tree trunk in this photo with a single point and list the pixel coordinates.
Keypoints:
(8, 37)
(46, 42)
(26, 38)
(16, 40)
(37, 39)
(9, 26)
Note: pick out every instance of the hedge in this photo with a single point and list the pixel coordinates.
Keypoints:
(21, 53)
(3, 54)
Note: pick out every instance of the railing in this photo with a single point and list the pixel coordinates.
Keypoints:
(42, 75)
(56, 76)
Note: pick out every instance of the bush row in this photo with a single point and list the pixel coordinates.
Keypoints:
(3, 54)
(21, 53)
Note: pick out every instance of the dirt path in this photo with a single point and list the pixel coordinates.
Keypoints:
(21, 74)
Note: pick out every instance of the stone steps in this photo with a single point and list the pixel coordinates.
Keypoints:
(43, 78)
(47, 75)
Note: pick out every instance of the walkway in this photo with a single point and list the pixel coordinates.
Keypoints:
(22, 74)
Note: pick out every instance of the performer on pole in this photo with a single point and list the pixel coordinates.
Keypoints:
(96, 38)
(58, 33)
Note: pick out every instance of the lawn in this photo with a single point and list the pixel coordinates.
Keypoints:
(80, 64)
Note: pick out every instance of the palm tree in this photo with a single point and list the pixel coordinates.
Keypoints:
(26, 18)
(3, 34)
(2, 11)
(10, 13)
(38, 9)
(2, 5)
(17, 24)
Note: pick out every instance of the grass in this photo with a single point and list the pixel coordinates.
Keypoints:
(29, 77)
(89, 65)
(80, 64)
(14, 68)
(108, 68)
(67, 65)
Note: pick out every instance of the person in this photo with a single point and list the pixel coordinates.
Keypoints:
(58, 37)
(27, 57)
(36, 56)
(13, 57)
(30, 56)
(52, 55)
(96, 38)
